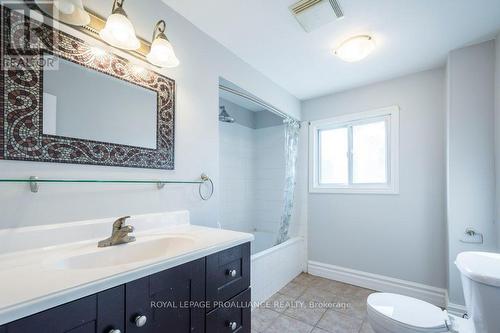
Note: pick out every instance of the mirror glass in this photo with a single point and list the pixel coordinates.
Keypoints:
(82, 103)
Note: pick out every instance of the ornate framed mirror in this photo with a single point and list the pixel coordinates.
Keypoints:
(67, 101)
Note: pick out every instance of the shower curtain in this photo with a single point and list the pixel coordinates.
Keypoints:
(292, 128)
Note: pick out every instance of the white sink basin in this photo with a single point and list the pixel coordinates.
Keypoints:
(123, 254)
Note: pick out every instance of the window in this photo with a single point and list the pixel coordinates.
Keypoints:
(355, 153)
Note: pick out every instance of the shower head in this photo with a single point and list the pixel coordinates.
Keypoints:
(224, 116)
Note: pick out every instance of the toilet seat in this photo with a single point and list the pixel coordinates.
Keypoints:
(400, 313)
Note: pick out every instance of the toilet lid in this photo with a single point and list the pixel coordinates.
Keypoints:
(407, 310)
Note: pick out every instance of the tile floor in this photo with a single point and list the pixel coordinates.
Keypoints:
(311, 304)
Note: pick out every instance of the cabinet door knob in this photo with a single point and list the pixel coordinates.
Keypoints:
(231, 272)
(232, 325)
(140, 320)
(115, 331)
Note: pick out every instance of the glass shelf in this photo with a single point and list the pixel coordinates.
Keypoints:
(35, 181)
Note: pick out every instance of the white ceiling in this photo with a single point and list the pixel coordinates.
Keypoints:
(411, 35)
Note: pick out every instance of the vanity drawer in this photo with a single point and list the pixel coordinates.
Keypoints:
(228, 274)
(236, 311)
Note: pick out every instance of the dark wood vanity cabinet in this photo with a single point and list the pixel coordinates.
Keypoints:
(228, 274)
(208, 295)
(165, 298)
(102, 312)
(228, 292)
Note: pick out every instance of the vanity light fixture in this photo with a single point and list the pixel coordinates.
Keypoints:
(355, 48)
(161, 52)
(68, 11)
(119, 31)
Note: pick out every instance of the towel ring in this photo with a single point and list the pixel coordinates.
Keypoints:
(205, 179)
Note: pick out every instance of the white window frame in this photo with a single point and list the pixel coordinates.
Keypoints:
(391, 114)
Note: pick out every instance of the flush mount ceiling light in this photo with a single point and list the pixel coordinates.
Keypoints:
(68, 11)
(161, 52)
(355, 48)
(119, 31)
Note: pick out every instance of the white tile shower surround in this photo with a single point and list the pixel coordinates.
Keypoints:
(289, 310)
(270, 177)
(236, 158)
(252, 172)
(270, 168)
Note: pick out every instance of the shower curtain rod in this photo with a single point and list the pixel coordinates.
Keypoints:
(257, 101)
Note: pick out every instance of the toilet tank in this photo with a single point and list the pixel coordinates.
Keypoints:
(480, 272)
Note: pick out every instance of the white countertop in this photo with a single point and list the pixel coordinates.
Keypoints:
(35, 276)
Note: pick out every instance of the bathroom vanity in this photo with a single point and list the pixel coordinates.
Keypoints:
(184, 298)
(200, 285)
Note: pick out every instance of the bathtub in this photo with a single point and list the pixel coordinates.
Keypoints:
(274, 266)
(263, 241)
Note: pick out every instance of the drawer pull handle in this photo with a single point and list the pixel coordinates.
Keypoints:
(140, 321)
(232, 325)
(231, 272)
(115, 331)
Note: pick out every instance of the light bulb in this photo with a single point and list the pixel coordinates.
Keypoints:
(161, 52)
(119, 31)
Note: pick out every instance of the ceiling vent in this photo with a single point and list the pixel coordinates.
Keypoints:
(312, 14)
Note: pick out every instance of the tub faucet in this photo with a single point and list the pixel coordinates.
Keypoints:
(119, 234)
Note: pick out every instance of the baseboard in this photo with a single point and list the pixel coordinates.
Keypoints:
(455, 309)
(434, 295)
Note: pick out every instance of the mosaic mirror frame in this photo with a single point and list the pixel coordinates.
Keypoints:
(24, 43)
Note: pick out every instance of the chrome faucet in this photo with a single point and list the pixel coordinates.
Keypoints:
(119, 235)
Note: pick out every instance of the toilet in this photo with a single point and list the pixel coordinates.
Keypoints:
(393, 313)
(480, 273)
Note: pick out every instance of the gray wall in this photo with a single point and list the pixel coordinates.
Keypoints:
(471, 159)
(203, 61)
(265, 119)
(497, 135)
(401, 236)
